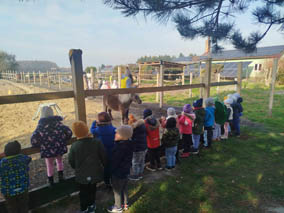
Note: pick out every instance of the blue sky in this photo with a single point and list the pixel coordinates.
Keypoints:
(47, 29)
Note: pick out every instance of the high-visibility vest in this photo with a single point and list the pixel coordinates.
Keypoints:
(124, 82)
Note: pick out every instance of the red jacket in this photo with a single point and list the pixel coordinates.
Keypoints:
(185, 124)
(153, 132)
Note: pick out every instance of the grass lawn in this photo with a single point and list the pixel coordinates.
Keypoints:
(239, 175)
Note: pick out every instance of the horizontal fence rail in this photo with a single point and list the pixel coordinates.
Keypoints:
(13, 99)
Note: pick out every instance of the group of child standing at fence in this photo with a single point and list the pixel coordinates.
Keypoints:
(108, 153)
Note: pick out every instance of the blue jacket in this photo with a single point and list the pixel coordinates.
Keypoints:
(209, 116)
(51, 137)
(106, 134)
(14, 174)
(121, 159)
(237, 109)
(139, 137)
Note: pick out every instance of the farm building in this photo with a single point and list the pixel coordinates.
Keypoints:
(254, 66)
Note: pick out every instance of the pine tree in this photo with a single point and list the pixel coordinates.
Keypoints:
(209, 18)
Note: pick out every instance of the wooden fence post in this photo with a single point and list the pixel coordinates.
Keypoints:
(201, 80)
(190, 82)
(207, 78)
(236, 85)
(218, 80)
(139, 75)
(59, 81)
(48, 80)
(75, 57)
(240, 76)
(183, 76)
(29, 80)
(272, 86)
(34, 76)
(161, 84)
(93, 77)
(119, 76)
(158, 83)
(24, 77)
(40, 76)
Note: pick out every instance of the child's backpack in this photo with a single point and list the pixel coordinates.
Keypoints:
(220, 113)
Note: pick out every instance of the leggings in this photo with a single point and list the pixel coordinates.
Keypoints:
(50, 165)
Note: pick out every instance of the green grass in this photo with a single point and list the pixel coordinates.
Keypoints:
(239, 175)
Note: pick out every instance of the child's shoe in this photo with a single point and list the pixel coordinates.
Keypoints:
(195, 151)
(91, 209)
(133, 177)
(124, 207)
(168, 168)
(150, 168)
(160, 168)
(51, 181)
(185, 155)
(114, 209)
(60, 176)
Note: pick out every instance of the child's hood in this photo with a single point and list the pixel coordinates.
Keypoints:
(106, 129)
(51, 119)
(210, 109)
(138, 123)
(240, 100)
(153, 123)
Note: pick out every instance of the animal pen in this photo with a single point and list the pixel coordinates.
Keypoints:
(44, 194)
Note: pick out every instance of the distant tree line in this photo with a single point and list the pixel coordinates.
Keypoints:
(8, 61)
(160, 58)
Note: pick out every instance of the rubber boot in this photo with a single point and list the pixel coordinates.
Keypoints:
(60, 176)
(51, 181)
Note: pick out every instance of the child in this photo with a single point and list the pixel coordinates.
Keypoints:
(105, 131)
(237, 112)
(153, 140)
(87, 157)
(170, 140)
(209, 120)
(14, 175)
(220, 119)
(185, 126)
(139, 142)
(229, 120)
(121, 164)
(197, 129)
(51, 137)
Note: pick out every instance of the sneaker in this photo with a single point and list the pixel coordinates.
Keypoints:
(195, 152)
(160, 168)
(91, 209)
(185, 155)
(150, 168)
(140, 177)
(168, 168)
(133, 177)
(124, 207)
(114, 209)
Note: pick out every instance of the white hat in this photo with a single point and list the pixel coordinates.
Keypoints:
(46, 112)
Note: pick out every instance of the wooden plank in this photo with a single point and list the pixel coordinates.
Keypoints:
(240, 72)
(218, 80)
(183, 76)
(157, 83)
(139, 75)
(190, 83)
(75, 57)
(224, 83)
(14, 99)
(272, 86)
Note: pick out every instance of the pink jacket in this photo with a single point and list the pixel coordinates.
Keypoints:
(185, 123)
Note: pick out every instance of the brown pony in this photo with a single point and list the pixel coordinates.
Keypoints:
(120, 103)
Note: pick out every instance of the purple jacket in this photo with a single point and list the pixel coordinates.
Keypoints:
(51, 137)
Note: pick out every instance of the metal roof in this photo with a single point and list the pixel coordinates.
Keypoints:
(230, 68)
(261, 52)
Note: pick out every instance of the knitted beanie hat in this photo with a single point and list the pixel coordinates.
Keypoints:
(132, 119)
(103, 117)
(147, 113)
(187, 108)
(125, 131)
(80, 129)
(171, 123)
(46, 112)
(209, 102)
(198, 103)
(12, 148)
(171, 112)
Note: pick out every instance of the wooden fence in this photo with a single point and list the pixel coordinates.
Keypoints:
(44, 194)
